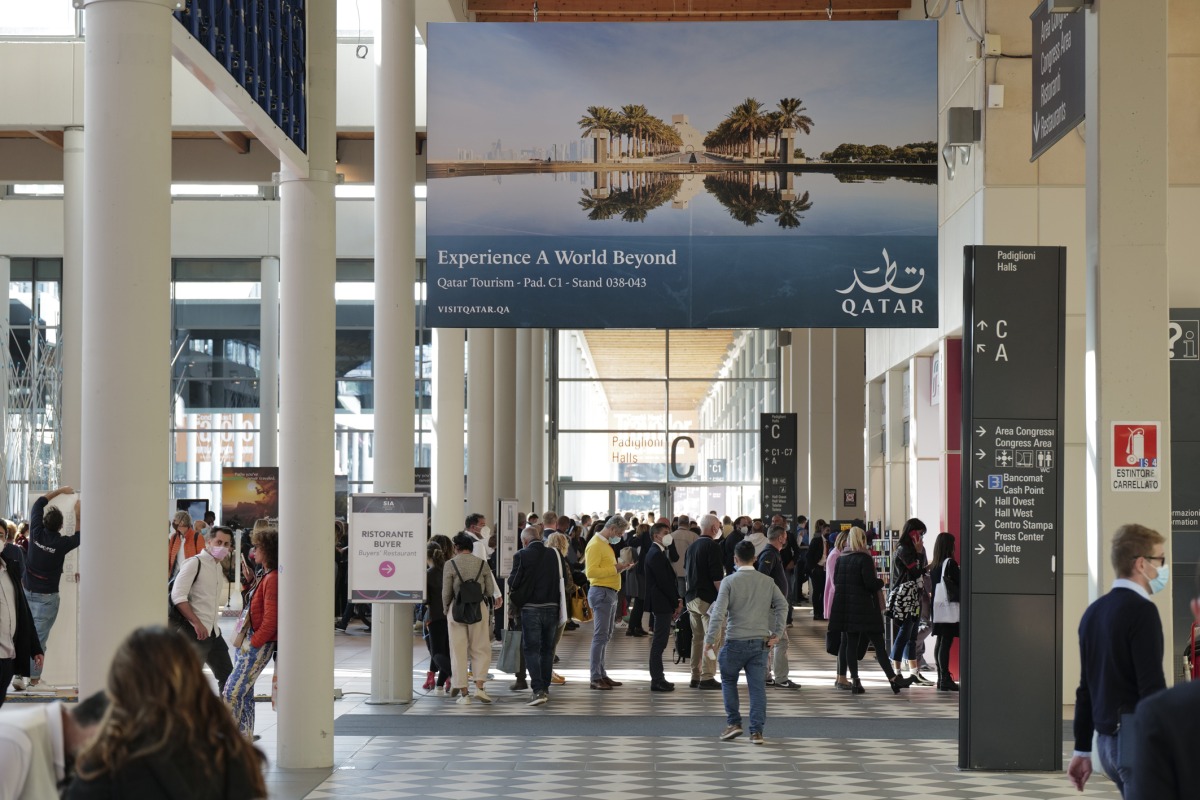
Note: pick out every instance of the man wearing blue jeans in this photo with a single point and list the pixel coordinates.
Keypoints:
(757, 612)
(535, 579)
(604, 576)
(44, 567)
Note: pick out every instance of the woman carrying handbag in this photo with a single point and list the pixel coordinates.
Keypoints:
(256, 640)
(946, 582)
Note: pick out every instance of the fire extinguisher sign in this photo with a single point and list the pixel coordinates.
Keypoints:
(1135, 466)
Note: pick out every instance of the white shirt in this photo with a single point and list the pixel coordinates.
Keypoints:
(480, 550)
(199, 583)
(8, 615)
(32, 755)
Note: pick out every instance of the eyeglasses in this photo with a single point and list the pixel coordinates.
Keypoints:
(1160, 559)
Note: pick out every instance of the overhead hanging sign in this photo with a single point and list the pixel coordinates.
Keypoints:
(1058, 76)
(624, 183)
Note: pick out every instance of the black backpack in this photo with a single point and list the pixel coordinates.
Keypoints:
(683, 638)
(470, 595)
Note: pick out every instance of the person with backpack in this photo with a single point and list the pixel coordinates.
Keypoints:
(196, 593)
(466, 583)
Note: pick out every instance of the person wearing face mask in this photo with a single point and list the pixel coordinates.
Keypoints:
(1121, 653)
(196, 593)
(477, 528)
(663, 600)
(604, 576)
(741, 529)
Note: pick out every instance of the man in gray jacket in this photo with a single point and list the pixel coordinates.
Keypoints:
(757, 612)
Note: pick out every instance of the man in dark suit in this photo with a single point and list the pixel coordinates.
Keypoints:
(1166, 728)
(662, 598)
(534, 587)
(1121, 654)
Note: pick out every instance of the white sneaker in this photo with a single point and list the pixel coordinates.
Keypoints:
(464, 700)
(482, 696)
(541, 698)
(19, 684)
(38, 685)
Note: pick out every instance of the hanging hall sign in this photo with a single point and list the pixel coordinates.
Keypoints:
(586, 176)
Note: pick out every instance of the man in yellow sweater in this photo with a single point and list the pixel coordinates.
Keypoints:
(604, 576)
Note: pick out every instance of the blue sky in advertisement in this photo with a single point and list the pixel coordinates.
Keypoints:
(528, 85)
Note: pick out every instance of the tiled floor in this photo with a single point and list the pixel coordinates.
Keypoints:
(629, 743)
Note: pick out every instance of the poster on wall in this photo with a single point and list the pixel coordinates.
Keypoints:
(387, 547)
(508, 540)
(683, 175)
(248, 494)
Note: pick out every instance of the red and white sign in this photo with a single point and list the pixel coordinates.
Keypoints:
(1135, 464)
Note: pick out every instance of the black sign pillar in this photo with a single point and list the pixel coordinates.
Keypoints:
(1058, 76)
(1183, 346)
(777, 444)
(1013, 387)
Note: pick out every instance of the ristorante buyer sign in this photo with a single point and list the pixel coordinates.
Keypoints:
(387, 547)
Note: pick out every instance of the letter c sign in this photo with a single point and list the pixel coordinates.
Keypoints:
(674, 460)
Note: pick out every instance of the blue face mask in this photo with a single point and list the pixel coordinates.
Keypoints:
(1159, 581)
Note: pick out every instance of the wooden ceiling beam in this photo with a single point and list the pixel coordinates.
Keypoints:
(690, 7)
(52, 138)
(732, 16)
(239, 141)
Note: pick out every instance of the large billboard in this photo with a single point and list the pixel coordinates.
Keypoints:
(691, 175)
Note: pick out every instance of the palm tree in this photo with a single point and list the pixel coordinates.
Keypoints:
(789, 212)
(747, 119)
(791, 115)
(599, 118)
(635, 116)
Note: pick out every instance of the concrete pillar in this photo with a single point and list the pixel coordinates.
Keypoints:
(820, 424)
(849, 420)
(268, 364)
(6, 508)
(446, 454)
(126, 254)
(785, 372)
(537, 421)
(395, 317)
(798, 377)
(1126, 372)
(524, 438)
(307, 327)
(504, 432)
(71, 330)
(925, 445)
(875, 508)
(480, 377)
(895, 464)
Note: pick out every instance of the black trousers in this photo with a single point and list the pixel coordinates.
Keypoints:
(7, 668)
(214, 652)
(658, 644)
(852, 643)
(439, 649)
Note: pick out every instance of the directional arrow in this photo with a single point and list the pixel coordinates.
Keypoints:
(978, 484)
(980, 430)
(980, 454)
(979, 501)
(979, 525)
(981, 325)
(981, 348)
(979, 549)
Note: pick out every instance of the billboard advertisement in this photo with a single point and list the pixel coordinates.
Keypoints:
(249, 494)
(691, 175)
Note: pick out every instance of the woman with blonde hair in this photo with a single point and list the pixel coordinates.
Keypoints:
(839, 546)
(183, 543)
(165, 734)
(857, 611)
(559, 542)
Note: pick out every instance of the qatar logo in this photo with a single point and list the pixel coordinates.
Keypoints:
(877, 300)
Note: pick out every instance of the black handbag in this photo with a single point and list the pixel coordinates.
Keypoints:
(833, 643)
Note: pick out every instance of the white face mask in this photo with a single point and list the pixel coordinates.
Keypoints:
(667, 540)
(745, 530)
(485, 532)
(615, 539)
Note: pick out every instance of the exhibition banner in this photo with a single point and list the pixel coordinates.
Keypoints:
(248, 494)
(693, 175)
(387, 547)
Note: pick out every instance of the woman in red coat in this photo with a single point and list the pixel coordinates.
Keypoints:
(259, 646)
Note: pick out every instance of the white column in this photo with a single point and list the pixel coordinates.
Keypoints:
(873, 458)
(306, 317)
(395, 316)
(480, 377)
(127, 255)
(820, 424)
(925, 445)
(447, 465)
(798, 376)
(896, 469)
(5, 278)
(849, 420)
(1126, 371)
(785, 374)
(504, 432)
(537, 420)
(268, 364)
(523, 430)
(71, 330)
